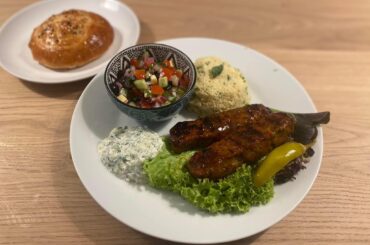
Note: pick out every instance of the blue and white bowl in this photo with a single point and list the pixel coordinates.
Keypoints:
(121, 62)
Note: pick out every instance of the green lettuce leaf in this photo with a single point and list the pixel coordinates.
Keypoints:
(233, 194)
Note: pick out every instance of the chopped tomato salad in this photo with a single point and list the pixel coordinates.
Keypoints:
(149, 83)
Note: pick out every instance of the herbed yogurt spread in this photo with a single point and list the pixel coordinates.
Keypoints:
(125, 149)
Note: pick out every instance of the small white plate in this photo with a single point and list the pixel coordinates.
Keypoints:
(16, 57)
(166, 215)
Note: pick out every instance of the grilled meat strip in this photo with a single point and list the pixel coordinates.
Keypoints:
(202, 132)
(246, 144)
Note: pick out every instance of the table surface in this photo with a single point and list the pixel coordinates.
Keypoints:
(325, 44)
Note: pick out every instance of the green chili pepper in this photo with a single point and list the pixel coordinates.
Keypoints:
(276, 160)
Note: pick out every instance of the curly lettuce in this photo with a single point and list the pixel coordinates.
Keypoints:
(233, 194)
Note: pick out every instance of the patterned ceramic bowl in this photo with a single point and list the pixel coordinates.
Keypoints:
(121, 62)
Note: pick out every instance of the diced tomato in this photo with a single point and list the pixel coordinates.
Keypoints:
(167, 63)
(157, 90)
(140, 74)
(168, 72)
(134, 62)
(144, 103)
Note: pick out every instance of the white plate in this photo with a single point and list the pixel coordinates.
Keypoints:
(166, 215)
(16, 57)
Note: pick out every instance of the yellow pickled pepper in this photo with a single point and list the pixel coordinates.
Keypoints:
(276, 160)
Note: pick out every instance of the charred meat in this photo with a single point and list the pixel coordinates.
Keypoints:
(243, 135)
(202, 132)
(242, 145)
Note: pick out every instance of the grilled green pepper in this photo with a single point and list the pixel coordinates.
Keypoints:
(276, 160)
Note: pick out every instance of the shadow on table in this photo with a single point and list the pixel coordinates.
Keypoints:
(66, 91)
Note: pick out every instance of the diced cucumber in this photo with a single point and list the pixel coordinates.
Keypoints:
(141, 84)
(163, 82)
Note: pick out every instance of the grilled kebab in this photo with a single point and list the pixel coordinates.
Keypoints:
(231, 138)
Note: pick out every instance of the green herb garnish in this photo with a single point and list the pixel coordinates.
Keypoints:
(216, 70)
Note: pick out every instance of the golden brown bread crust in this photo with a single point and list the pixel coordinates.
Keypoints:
(71, 39)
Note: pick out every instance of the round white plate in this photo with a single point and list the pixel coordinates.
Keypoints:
(16, 57)
(166, 215)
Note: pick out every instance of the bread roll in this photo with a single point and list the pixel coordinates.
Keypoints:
(71, 39)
